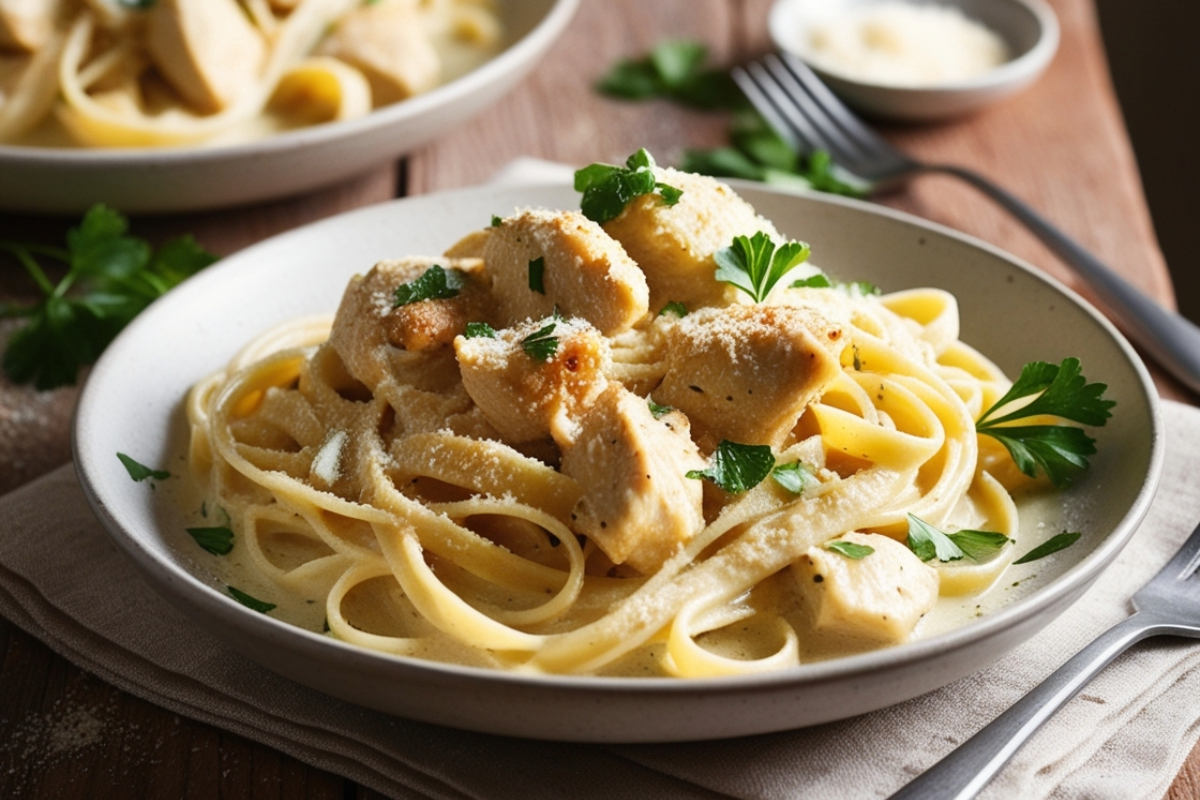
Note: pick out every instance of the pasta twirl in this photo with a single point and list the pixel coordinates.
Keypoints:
(448, 477)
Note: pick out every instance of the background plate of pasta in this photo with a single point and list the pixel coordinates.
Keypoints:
(668, 460)
(176, 105)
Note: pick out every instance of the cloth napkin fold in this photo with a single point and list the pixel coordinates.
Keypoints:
(1125, 736)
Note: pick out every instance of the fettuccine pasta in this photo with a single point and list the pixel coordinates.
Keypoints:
(511, 455)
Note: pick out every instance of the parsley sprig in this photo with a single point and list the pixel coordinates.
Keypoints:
(754, 264)
(674, 69)
(1059, 541)
(607, 189)
(1060, 451)
(110, 278)
(737, 468)
(927, 542)
(435, 283)
(542, 344)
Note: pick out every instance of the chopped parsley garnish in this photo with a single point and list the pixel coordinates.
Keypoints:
(110, 278)
(1051, 545)
(1059, 451)
(252, 603)
(818, 281)
(737, 468)
(537, 272)
(434, 284)
(608, 189)
(496, 221)
(927, 542)
(851, 550)
(217, 540)
(673, 69)
(793, 476)
(754, 264)
(674, 307)
(479, 330)
(140, 472)
(657, 410)
(541, 345)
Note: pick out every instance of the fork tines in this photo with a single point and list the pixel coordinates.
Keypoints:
(803, 110)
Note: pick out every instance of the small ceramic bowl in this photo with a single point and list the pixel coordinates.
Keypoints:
(1028, 27)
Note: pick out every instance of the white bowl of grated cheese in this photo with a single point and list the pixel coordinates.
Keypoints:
(919, 60)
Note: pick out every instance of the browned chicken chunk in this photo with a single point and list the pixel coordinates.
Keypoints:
(386, 41)
(543, 260)
(746, 373)
(638, 503)
(535, 379)
(674, 245)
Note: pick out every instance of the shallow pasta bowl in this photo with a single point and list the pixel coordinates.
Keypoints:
(133, 404)
(154, 180)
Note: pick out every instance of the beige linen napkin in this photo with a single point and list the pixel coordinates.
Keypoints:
(1124, 737)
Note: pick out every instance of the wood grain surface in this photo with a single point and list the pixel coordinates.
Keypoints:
(1061, 145)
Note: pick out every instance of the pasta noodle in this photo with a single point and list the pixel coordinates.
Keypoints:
(98, 73)
(438, 489)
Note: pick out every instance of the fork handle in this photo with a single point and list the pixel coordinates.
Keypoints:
(969, 767)
(1167, 337)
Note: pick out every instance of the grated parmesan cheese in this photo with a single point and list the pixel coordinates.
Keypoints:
(901, 43)
(326, 464)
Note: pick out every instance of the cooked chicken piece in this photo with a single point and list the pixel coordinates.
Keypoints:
(674, 245)
(638, 503)
(879, 598)
(746, 373)
(535, 379)
(387, 41)
(27, 24)
(582, 271)
(370, 327)
(206, 49)
(470, 246)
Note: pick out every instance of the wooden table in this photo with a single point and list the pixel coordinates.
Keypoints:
(1061, 145)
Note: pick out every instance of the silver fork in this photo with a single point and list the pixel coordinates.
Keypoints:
(804, 111)
(1168, 605)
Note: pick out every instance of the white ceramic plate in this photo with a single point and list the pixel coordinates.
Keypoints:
(133, 400)
(1029, 27)
(151, 180)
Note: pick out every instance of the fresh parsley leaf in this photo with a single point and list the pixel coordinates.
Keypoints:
(140, 472)
(1051, 545)
(496, 221)
(110, 278)
(851, 550)
(927, 542)
(673, 69)
(435, 283)
(541, 345)
(217, 540)
(252, 603)
(608, 189)
(657, 410)
(793, 476)
(818, 281)
(755, 265)
(758, 153)
(1060, 451)
(674, 307)
(479, 330)
(978, 545)
(737, 468)
(537, 272)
